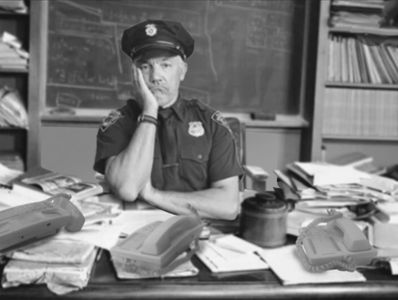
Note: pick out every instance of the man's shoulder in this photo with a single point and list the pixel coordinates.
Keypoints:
(213, 115)
(127, 112)
(196, 103)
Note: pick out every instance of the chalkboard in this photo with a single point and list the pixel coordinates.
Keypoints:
(247, 55)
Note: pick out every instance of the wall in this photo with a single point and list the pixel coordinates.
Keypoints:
(70, 149)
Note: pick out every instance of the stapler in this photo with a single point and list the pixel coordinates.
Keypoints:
(27, 223)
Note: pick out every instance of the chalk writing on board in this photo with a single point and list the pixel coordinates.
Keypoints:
(246, 52)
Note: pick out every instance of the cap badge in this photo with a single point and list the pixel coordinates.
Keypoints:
(196, 129)
(151, 30)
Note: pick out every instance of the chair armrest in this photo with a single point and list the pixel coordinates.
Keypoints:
(258, 176)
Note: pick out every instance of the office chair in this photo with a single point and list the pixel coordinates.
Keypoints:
(257, 175)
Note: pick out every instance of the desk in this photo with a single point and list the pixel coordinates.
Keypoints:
(258, 285)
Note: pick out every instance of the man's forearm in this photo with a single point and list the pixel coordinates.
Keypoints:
(219, 201)
(128, 172)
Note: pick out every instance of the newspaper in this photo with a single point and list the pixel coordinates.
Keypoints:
(54, 183)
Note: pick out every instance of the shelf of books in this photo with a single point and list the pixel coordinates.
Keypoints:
(14, 83)
(359, 87)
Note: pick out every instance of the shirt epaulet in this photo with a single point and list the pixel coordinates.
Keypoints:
(111, 119)
(198, 103)
(219, 119)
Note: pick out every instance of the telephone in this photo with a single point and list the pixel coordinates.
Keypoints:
(27, 223)
(340, 244)
(153, 249)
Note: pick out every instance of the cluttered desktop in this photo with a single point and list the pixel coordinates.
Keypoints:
(326, 230)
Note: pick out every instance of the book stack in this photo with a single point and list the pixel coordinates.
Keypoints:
(357, 13)
(12, 56)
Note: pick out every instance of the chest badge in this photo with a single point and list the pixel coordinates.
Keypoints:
(196, 129)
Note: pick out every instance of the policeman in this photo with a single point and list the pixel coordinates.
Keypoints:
(176, 154)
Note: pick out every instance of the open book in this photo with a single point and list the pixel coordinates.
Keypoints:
(54, 183)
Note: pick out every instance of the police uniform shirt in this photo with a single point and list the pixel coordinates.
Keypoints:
(193, 146)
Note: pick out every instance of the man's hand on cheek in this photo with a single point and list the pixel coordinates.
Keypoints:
(142, 91)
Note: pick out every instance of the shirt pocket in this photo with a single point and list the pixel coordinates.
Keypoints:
(193, 163)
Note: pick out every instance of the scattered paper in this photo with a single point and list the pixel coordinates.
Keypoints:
(230, 254)
(287, 266)
(106, 235)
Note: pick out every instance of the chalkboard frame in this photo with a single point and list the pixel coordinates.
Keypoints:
(95, 115)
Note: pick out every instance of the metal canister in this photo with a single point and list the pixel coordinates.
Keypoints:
(263, 220)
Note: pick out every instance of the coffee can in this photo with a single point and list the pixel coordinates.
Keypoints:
(263, 220)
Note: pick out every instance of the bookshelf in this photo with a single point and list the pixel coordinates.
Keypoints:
(356, 88)
(19, 147)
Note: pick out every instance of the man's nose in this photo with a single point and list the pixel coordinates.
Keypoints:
(156, 74)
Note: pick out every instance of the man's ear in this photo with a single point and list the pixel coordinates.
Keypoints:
(183, 70)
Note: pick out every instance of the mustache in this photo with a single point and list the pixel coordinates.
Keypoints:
(158, 88)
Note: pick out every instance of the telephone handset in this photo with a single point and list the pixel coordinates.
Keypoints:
(30, 222)
(154, 247)
(340, 244)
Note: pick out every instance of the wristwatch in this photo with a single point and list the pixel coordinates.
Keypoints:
(148, 119)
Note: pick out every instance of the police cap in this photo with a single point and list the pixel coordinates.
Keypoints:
(157, 34)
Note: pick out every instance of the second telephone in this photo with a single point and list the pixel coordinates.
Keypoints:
(339, 244)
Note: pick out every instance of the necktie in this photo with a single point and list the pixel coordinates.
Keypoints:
(167, 137)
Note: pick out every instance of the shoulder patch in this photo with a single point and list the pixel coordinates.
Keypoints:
(111, 119)
(218, 118)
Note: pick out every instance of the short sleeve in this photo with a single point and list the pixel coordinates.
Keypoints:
(224, 160)
(114, 135)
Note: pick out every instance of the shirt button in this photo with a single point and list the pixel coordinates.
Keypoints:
(200, 156)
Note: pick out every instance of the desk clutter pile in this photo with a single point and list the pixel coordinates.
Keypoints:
(362, 202)
(353, 186)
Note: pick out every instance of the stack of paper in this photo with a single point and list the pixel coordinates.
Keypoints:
(186, 269)
(12, 56)
(62, 265)
(316, 180)
(17, 6)
(384, 237)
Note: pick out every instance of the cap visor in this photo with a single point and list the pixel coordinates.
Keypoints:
(156, 50)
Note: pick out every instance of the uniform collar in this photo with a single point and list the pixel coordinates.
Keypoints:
(177, 108)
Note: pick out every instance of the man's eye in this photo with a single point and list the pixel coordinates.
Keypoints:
(144, 67)
(166, 65)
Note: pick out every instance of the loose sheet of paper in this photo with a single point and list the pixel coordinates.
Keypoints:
(287, 266)
(228, 253)
(106, 235)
